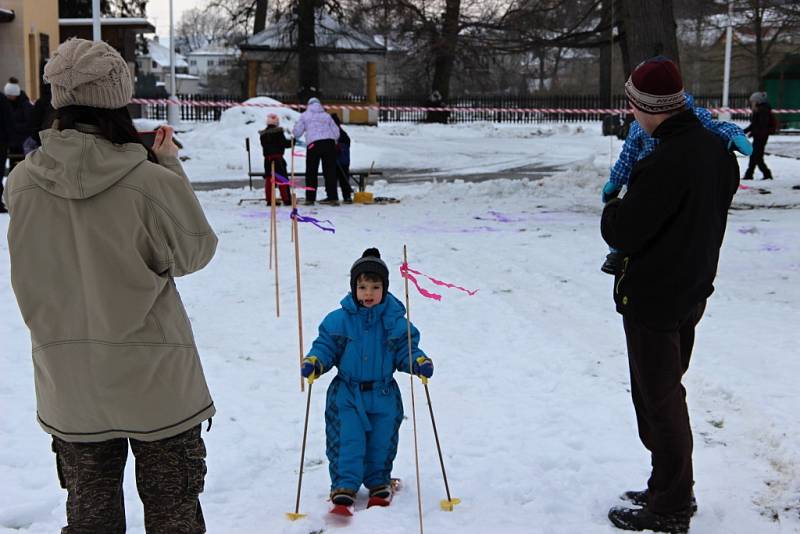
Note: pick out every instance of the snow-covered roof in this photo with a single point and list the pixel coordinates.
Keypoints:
(329, 34)
(214, 51)
(160, 54)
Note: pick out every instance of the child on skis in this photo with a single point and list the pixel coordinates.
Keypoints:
(273, 143)
(639, 144)
(366, 339)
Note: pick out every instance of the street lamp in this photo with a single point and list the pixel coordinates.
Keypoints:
(173, 110)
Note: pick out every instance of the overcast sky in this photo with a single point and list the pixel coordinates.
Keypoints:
(158, 13)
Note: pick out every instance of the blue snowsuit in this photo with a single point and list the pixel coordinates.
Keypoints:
(364, 408)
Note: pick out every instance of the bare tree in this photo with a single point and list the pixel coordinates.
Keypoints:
(770, 21)
(649, 30)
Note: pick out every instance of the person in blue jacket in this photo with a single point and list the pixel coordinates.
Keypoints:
(639, 144)
(366, 340)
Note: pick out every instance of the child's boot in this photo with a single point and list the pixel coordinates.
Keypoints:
(380, 496)
(343, 497)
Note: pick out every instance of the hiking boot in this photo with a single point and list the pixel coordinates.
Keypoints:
(746, 177)
(343, 497)
(348, 201)
(643, 519)
(308, 202)
(613, 263)
(329, 202)
(639, 498)
(768, 177)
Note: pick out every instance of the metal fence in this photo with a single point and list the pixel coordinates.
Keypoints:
(527, 109)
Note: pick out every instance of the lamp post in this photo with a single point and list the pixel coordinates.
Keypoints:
(96, 32)
(173, 110)
(726, 115)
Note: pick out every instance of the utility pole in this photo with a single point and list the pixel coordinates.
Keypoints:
(726, 115)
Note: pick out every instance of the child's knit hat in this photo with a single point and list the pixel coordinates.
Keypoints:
(369, 262)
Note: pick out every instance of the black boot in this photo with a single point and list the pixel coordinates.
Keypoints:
(643, 519)
(639, 498)
(343, 497)
(612, 264)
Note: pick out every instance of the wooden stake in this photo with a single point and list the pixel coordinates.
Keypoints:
(275, 243)
(297, 277)
(413, 402)
(296, 514)
(291, 188)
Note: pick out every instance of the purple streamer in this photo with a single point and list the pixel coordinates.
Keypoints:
(316, 222)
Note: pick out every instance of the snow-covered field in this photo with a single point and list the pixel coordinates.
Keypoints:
(531, 385)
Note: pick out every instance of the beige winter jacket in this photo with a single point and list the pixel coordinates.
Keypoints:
(96, 235)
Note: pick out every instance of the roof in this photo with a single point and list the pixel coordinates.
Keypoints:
(330, 36)
(214, 51)
(130, 23)
(160, 54)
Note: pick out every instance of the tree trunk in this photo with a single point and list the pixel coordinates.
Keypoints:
(445, 48)
(261, 16)
(650, 30)
(307, 55)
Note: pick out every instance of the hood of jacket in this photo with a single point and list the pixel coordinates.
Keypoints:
(389, 310)
(315, 108)
(78, 164)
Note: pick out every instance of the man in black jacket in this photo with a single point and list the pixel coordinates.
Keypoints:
(670, 226)
(762, 124)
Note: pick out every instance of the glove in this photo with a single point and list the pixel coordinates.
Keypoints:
(423, 366)
(311, 368)
(610, 190)
(741, 144)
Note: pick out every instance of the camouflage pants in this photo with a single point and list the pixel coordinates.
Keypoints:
(169, 477)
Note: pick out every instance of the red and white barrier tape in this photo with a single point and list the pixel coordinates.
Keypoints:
(565, 111)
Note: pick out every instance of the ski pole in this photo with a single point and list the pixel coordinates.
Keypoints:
(446, 504)
(296, 235)
(294, 516)
(413, 403)
(275, 243)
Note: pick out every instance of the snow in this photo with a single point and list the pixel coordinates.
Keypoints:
(531, 385)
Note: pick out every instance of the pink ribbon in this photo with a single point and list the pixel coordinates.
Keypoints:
(282, 180)
(408, 273)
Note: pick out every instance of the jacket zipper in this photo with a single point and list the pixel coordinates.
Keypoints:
(624, 272)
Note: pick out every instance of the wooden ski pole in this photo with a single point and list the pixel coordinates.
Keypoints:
(296, 514)
(271, 216)
(291, 188)
(275, 244)
(413, 402)
(447, 504)
(297, 277)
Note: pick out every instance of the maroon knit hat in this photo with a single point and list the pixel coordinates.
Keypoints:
(656, 86)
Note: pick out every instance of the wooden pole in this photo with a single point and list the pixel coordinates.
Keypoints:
(413, 402)
(291, 188)
(271, 215)
(297, 276)
(275, 243)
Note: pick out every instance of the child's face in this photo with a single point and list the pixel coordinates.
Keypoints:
(368, 292)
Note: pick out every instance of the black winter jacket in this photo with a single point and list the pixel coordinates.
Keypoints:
(761, 122)
(273, 142)
(671, 222)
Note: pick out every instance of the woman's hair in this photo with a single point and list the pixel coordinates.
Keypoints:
(336, 119)
(115, 125)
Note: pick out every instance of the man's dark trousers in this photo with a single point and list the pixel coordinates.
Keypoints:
(659, 354)
(325, 150)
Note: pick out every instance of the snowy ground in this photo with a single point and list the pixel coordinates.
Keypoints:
(531, 386)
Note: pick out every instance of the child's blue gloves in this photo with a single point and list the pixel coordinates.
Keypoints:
(610, 190)
(423, 366)
(311, 368)
(741, 144)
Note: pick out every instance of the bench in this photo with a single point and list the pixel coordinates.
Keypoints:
(359, 177)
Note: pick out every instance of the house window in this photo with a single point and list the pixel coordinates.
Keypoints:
(210, 62)
(193, 62)
(155, 65)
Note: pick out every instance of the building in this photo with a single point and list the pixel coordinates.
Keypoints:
(157, 62)
(209, 63)
(29, 34)
(783, 88)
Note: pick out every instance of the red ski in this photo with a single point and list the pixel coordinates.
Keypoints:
(342, 510)
(385, 501)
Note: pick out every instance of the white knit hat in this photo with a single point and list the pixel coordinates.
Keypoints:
(88, 73)
(12, 89)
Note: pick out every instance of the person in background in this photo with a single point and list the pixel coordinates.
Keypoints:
(273, 145)
(100, 226)
(762, 124)
(343, 161)
(321, 134)
(41, 118)
(15, 112)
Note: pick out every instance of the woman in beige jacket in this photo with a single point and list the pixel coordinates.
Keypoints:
(100, 227)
